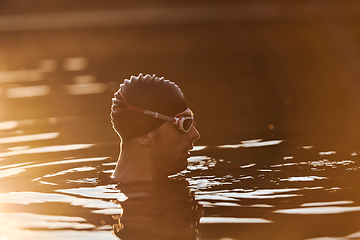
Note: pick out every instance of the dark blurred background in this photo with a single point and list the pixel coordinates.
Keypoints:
(249, 69)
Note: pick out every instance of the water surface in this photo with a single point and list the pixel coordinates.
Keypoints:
(255, 189)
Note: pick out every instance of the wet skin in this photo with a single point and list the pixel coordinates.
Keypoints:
(171, 146)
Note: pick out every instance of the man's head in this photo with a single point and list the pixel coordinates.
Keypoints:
(151, 116)
(146, 93)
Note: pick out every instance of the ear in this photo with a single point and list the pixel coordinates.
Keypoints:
(144, 140)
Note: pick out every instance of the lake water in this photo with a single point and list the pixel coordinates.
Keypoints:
(256, 189)
(275, 91)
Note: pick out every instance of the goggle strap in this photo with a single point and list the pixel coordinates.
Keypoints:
(148, 112)
(129, 107)
(159, 115)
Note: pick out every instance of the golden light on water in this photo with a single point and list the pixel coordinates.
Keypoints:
(275, 91)
(8, 125)
(19, 168)
(47, 149)
(31, 91)
(29, 138)
(211, 220)
(252, 143)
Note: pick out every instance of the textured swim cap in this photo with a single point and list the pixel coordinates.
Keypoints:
(145, 92)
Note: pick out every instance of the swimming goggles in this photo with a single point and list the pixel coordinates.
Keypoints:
(183, 123)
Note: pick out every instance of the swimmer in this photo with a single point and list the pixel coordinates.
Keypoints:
(156, 128)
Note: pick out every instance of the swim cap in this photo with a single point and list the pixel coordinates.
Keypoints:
(145, 92)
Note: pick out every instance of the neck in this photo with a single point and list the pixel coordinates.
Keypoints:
(133, 165)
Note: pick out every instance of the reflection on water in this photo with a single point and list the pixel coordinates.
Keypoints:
(318, 210)
(255, 189)
(253, 143)
(37, 221)
(48, 149)
(81, 84)
(27, 138)
(206, 220)
(279, 154)
(164, 210)
(29, 91)
(227, 192)
(18, 168)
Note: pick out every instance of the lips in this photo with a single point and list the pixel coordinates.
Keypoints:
(189, 149)
(187, 152)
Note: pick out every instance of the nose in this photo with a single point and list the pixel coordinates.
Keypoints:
(193, 134)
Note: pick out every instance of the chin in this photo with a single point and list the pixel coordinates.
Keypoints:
(184, 166)
(180, 168)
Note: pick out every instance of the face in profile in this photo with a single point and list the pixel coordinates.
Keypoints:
(172, 146)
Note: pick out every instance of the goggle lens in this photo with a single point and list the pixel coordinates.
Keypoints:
(186, 123)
